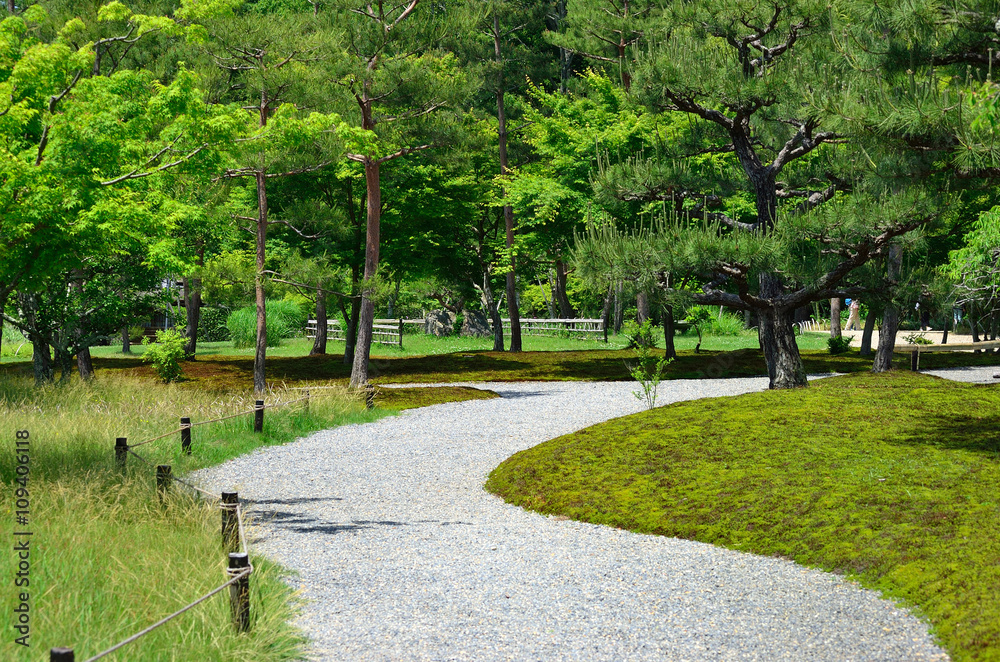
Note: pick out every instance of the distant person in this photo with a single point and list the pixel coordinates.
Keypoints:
(854, 315)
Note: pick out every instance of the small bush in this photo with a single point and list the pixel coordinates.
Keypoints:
(166, 354)
(839, 345)
(639, 335)
(136, 334)
(285, 319)
(212, 325)
(918, 339)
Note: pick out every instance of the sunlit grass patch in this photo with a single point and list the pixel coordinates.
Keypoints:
(889, 478)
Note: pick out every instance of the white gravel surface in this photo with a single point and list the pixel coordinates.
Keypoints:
(402, 555)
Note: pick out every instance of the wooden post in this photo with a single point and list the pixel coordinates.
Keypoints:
(61, 655)
(163, 480)
(914, 360)
(230, 522)
(239, 592)
(400, 333)
(258, 416)
(369, 396)
(121, 452)
(186, 435)
(307, 401)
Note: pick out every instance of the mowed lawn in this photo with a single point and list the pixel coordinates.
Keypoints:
(891, 479)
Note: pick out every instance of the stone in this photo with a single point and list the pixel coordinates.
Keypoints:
(439, 323)
(475, 323)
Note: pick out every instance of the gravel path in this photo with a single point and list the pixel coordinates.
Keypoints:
(403, 556)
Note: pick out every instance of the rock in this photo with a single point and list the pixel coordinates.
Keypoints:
(439, 323)
(475, 323)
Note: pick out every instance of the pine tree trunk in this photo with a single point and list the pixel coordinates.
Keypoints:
(493, 310)
(259, 384)
(642, 307)
(668, 332)
(886, 339)
(619, 308)
(362, 350)
(319, 344)
(866, 335)
(351, 334)
(835, 331)
(890, 317)
(784, 364)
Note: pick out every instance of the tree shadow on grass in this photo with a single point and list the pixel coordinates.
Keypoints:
(979, 435)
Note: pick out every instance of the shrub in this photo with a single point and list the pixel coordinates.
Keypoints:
(136, 334)
(918, 339)
(639, 335)
(700, 317)
(839, 345)
(212, 325)
(284, 320)
(165, 354)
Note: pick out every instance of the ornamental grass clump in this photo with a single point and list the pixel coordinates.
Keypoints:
(284, 319)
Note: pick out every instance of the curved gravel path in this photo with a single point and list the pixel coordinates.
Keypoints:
(403, 556)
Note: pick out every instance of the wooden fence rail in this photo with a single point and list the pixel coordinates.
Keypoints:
(916, 350)
(583, 328)
(383, 334)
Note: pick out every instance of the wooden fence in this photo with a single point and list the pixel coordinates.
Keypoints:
(916, 350)
(580, 328)
(383, 334)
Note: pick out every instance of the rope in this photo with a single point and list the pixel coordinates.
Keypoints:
(232, 580)
(173, 477)
(224, 418)
(143, 443)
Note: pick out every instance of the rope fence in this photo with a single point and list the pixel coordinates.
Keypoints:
(234, 535)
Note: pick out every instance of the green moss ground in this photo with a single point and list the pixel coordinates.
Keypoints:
(891, 479)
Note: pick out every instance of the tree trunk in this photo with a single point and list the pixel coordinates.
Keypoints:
(362, 350)
(41, 361)
(351, 334)
(85, 364)
(192, 306)
(126, 341)
(784, 364)
(259, 384)
(835, 331)
(890, 318)
(886, 339)
(513, 310)
(549, 303)
(3, 309)
(642, 307)
(559, 294)
(668, 331)
(492, 309)
(619, 309)
(866, 335)
(319, 344)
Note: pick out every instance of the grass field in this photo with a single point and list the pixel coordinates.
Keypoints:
(888, 478)
(107, 559)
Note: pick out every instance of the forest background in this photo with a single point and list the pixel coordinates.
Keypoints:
(504, 157)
